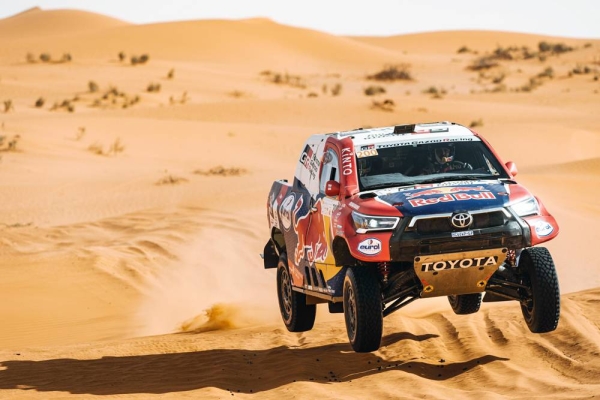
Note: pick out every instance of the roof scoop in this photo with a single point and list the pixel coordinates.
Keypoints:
(404, 129)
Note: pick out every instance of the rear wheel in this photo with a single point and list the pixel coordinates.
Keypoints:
(541, 304)
(363, 309)
(296, 314)
(465, 303)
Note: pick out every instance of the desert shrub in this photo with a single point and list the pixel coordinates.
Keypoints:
(385, 105)
(30, 58)
(134, 60)
(182, 100)
(116, 147)
(93, 87)
(476, 123)
(547, 73)
(482, 63)
(170, 180)
(498, 78)
(284, 79)
(581, 69)
(554, 48)
(80, 133)
(40, 102)
(66, 57)
(96, 148)
(45, 57)
(531, 85)
(221, 171)
(463, 49)
(8, 106)
(435, 92)
(312, 94)
(374, 90)
(336, 90)
(143, 59)
(393, 73)
(153, 87)
(122, 56)
(237, 94)
(171, 74)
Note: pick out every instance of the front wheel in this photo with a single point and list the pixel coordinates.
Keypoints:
(296, 314)
(465, 303)
(541, 303)
(363, 310)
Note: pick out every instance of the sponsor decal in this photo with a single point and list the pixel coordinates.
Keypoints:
(426, 141)
(451, 197)
(366, 153)
(462, 234)
(346, 161)
(432, 130)
(370, 247)
(354, 205)
(367, 147)
(309, 160)
(543, 228)
(273, 211)
(444, 190)
(458, 264)
(285, 212)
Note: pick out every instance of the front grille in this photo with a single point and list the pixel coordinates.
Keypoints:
(431, 226)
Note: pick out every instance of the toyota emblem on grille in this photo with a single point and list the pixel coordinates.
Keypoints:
(461, 220)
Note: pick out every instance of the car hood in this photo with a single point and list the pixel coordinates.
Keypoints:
(446, 197)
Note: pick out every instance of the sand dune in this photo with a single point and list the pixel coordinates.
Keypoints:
(129, 270)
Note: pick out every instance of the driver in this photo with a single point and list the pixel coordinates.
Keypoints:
(443, 159)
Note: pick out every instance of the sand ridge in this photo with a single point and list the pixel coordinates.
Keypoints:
(129, 269)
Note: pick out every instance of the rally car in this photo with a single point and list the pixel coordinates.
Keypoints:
(378, 218)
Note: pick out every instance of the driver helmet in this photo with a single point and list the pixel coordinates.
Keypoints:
(444, 153)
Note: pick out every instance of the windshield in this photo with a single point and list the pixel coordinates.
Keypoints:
(425, 163)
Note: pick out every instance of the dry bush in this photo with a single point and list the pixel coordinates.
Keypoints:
(397, 72)
(66, 57)
(533, 84)
(236, 94)
(122, 56)
(143, 59)
(93, 87)
(171, 74)
(374, 90)
(463, 49)
(30, 57)
(581, 70)
(153, 87)
(284, 79)
(336, 90)
(65, 105)
(221, 171)
(554, 48)
(45, 57)
(80, 133)
(476, 123)
(182, 100)
(435, 92)
(116, 147)
(482, 63)
(547, 73)
(40, 102)
(8, 106)
(312, 94)
(385, 105)
(11, 145)
(170, 180)
(96, 148)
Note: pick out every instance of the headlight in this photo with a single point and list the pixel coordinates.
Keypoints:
(526, 207)
(366, 223)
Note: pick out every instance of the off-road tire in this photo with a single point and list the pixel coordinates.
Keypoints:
(296, 314)
(363, 309)
(465, 303)
(541, 310)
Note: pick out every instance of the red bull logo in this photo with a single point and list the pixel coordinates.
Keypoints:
(311, 236)
(445, 190)
(452, 197)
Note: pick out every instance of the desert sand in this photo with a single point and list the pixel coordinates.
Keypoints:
(132, 220)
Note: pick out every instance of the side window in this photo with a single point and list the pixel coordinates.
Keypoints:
(330, 170)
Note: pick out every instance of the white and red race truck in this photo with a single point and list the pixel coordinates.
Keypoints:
(377, 218)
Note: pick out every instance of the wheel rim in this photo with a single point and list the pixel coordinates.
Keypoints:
(528, 304)
(351, 315)
(286, 293)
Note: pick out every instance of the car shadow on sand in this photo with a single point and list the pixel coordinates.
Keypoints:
(234, 370)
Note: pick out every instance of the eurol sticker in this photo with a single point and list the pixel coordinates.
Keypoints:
(370, 247)
(542, 228)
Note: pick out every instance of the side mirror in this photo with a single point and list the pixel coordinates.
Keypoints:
(332, 188)
(512, 168)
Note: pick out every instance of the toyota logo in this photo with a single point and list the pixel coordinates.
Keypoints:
(461, 220)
